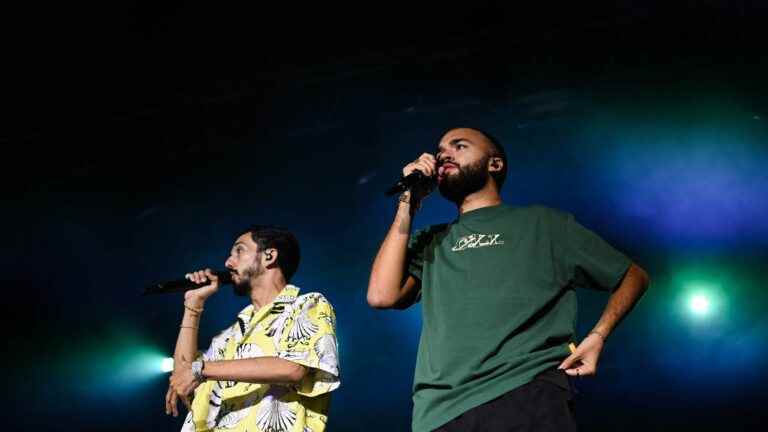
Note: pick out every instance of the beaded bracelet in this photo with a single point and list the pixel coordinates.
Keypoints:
(198, 311)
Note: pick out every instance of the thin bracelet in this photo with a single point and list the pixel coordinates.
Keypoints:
(602, 336)
(199, 311)
(192, 327)
(405, 197)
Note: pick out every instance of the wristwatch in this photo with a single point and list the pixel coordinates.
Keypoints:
(197, 370)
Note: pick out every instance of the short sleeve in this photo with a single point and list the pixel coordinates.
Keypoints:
(310, 340)
(218, 345)
(415, 255)
(418, 245)
(589, 260)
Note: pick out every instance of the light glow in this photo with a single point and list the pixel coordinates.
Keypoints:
(167, 364)
(699, 304)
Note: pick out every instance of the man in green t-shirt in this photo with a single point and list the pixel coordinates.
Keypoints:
(497, 292)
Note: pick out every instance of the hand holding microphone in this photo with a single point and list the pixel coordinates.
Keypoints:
(426, 163)
(200, 277)
(418, 177)
(191, 282)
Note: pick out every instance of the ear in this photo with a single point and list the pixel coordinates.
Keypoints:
(269, 257)
(495, 164)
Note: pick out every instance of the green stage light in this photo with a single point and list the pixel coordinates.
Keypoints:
(702, 300)
(143, 364)
(124, 367)
(167, 364)
(699, 304)
(118, 358)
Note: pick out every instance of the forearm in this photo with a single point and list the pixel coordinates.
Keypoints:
(388, 271)
(621, 302)
(260, 370)
(186, 343)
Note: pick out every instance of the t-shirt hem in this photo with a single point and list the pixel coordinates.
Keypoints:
(479, 400)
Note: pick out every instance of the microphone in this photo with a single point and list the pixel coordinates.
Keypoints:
(407, 182)
(181, 285)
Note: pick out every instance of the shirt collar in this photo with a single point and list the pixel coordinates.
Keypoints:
(287, 295)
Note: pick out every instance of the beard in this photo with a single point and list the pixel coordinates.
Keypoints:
(242, 288)
(469, 179)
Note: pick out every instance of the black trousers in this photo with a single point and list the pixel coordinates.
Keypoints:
(543, 405)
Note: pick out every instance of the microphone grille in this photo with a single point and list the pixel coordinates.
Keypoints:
(225, 277)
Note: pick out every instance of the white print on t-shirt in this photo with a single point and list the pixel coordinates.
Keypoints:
(473, 241)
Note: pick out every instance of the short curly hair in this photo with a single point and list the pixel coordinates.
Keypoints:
(276, 237)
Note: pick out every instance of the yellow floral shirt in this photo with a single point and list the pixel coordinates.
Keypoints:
(301, 329)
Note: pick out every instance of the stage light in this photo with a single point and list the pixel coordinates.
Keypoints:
(702, 300)
(167, 364)
(123, 367)
(144, 364)
(699, 304)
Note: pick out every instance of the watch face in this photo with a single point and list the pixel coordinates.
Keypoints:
(197, 367)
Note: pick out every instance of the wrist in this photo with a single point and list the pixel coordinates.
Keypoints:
(409, 201)
(198, 367)
(599, 333)
(194, 305)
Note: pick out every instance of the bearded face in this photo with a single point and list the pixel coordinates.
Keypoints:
(468, 179)
(242, 286)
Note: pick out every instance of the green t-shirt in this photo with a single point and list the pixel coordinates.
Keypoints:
(498, 302)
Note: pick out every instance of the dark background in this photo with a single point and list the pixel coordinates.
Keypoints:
(139, 138)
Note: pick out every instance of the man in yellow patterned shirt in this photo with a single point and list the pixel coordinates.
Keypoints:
(274, 368)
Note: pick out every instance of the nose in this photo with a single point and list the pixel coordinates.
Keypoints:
(229, 264)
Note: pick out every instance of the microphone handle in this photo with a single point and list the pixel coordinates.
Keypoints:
(406, 182)
(182, 285)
